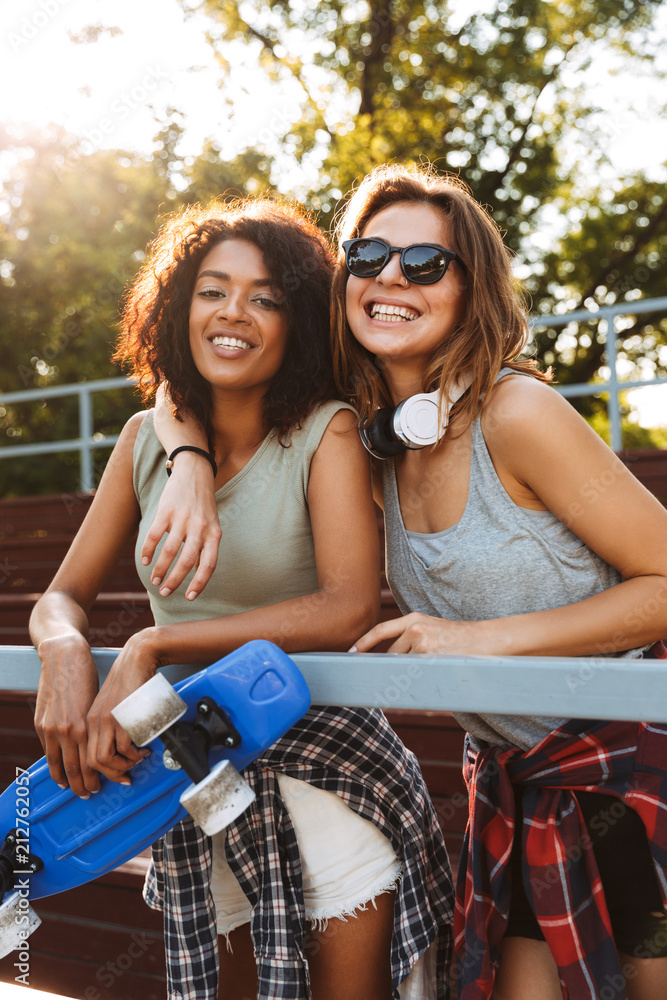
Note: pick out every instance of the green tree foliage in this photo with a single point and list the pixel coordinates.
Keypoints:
(74, 230)
(487, 98)
(76, 233)
(613, 253)
(492, 99)
(210, 176)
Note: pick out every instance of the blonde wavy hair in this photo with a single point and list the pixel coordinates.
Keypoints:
(493, 330)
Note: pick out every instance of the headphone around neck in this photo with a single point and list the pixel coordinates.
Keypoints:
(414, 423)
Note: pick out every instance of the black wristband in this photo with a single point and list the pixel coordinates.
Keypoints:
(198, 451)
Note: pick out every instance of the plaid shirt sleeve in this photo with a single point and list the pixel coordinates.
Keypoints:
(355, 753)
(625, 760)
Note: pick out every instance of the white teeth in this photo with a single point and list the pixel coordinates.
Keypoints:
(230, 342)
(392, 314)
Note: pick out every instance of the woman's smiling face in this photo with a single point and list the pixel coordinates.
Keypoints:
(238, 327)
(393, 318)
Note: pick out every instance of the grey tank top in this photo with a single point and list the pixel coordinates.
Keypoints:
(499, 560)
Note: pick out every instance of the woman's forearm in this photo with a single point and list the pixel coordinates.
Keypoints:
(67, 688)
(187, 511)
(324, 620)
(173, 432)
(633, 613)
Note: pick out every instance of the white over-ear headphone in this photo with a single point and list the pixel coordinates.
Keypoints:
(415, 423)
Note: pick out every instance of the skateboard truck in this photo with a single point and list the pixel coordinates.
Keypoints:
(15, 860)
(188, 743)
(216, 796)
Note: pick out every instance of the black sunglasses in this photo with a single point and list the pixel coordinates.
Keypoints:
(423, 263)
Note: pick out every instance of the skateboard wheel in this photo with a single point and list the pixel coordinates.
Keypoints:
(17, 921)
(218, 799)
(149, 710)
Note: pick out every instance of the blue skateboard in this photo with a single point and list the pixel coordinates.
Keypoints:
(201, 733)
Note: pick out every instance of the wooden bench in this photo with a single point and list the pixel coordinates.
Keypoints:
(35, 534)
(650, 468)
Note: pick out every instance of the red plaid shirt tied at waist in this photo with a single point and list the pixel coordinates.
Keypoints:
(621, 759)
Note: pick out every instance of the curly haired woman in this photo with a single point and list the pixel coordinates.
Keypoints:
(335, 882)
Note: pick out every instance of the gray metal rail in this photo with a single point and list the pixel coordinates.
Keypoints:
(573, 688)
(608, 315)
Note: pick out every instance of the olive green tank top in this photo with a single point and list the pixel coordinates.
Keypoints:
(266, 552)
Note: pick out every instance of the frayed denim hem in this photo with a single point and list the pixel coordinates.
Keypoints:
(318, 918)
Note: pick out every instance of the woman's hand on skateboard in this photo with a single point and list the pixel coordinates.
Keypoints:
(67, 688)
(110, 749)
(188, 515)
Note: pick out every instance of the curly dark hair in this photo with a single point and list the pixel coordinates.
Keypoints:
(154, 326)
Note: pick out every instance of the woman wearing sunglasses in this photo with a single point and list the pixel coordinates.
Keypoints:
(502, 540)
(335, 882)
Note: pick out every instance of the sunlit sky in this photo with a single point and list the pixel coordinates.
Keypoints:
(111, 92)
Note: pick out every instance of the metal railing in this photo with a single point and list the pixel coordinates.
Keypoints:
(561, 687)
(87, 441)
(608, 315)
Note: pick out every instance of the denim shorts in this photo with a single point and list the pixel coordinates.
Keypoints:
(345, 859)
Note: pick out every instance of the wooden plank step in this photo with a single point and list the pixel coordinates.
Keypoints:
(98, 941)
(102, 939)
(29, 567)
(113, 618)
(89, 980)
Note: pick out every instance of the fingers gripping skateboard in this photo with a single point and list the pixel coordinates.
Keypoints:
(216, 796)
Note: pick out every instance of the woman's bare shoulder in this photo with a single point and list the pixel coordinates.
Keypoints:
(521, 407)
(128, 435)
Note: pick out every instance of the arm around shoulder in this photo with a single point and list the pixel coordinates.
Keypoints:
(345, 526)
(187, 512)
